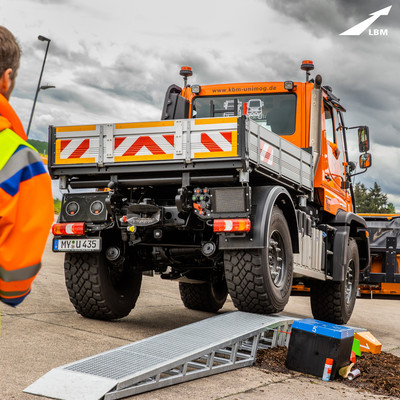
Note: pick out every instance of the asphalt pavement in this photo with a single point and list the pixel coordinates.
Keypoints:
(45, 332)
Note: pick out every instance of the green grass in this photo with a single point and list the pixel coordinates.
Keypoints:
(57, 206)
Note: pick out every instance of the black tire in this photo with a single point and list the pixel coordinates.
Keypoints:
(97, 290)
(208, 296)
(334, 301)
(260, 281)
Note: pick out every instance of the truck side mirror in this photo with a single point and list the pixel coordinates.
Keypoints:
(365, 160)
(363, 139)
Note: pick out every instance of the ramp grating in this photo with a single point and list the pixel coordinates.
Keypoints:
(218, 344)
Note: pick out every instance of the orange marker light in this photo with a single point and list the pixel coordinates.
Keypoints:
(77, 228)
(307, 65)
(232, 225)
(186, 71)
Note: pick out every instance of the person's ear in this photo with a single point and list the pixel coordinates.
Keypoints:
(6, 83)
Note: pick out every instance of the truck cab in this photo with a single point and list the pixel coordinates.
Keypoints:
(284, 108)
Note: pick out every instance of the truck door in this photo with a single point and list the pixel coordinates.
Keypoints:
(335, 175)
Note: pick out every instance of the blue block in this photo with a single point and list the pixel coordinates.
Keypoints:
(313, 341)
(323, 328)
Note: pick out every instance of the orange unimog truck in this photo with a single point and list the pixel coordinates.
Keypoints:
(216, 199)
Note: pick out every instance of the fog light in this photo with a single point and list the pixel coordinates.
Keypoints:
(289, 85)
(96, 207)
(196, 89)
(72, 208)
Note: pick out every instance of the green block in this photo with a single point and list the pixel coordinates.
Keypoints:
(356, 347)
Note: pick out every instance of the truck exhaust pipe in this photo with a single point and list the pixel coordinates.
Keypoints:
(316, 120)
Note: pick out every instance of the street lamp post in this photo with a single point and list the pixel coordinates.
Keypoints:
(43, 39)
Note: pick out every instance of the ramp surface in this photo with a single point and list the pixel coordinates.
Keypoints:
(207, 347)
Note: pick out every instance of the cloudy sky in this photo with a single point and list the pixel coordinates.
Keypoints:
(111, 61)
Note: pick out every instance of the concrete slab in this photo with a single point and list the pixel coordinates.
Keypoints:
(45, 332)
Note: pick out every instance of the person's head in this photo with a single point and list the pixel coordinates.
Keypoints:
(10, 54)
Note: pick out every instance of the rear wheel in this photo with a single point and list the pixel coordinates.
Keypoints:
(334, 301)
(208, 296)
(260, 280)
(97, 288)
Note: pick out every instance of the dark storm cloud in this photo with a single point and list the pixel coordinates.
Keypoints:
(358, 10)
(86, 102)
(76, 57)
(59, 2)
(105, 73)
(132, 77)
(322, 17)
(361, 69)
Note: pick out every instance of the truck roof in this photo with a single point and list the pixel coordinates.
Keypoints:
(229, 89)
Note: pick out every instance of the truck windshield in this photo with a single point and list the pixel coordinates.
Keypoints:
(277, 112)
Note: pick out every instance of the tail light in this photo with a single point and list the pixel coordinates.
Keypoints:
(232, 225)
(77, 228)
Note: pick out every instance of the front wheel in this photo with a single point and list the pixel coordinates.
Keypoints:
(260, 280)
(98, 289)
(334, 301)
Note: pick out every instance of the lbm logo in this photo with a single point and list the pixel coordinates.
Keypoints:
(358, 29)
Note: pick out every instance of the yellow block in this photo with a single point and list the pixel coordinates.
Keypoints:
(209, 121)
(156, 124)
(80, 128)
(368, 343)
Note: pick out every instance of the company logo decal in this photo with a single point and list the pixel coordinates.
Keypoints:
(358, 29)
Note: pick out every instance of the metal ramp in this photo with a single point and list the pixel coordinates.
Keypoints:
(218, 344)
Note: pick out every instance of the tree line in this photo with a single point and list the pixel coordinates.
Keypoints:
(41, 147)
(372, 200)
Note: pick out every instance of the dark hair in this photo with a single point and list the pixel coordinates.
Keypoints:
(10, 52)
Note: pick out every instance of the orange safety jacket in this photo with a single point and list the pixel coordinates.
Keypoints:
(26, 208)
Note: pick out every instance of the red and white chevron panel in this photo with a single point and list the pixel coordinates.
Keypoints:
(267, 153)
(79, 150)
(213, 144)
(143, 147)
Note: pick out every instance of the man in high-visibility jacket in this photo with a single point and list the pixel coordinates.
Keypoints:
(26, 201)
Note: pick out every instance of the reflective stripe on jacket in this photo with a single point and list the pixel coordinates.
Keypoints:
(26, 214)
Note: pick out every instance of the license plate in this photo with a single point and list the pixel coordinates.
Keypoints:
(77, 245)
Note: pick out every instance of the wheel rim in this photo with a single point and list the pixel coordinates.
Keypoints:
(276, 261)
(349, 284)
